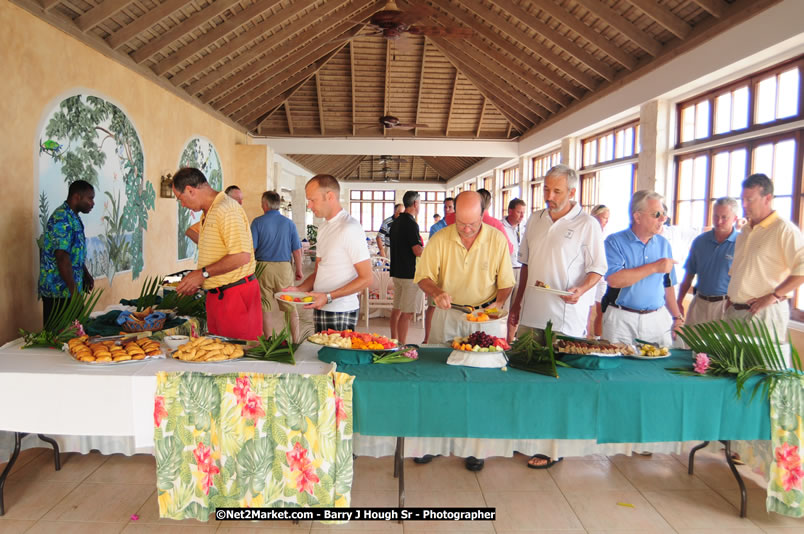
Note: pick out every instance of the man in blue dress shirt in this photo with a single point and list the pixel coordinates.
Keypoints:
(710, 258)
(276, 240)
(641, 277)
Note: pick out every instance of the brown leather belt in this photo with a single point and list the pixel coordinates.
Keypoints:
(740, 307)
(711, 299)
(641, 312)
(219, 290)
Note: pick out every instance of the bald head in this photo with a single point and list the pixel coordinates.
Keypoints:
(468, 214)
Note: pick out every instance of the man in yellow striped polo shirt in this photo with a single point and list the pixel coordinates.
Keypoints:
(225, 257)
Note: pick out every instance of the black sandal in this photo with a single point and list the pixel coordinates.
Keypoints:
(550, 462)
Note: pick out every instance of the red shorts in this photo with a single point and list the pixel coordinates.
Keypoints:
(238, 314)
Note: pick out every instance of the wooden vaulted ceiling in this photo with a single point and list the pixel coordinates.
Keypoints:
(386, 168)
(309, 67)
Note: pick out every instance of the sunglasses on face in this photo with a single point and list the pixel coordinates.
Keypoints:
(655, 214)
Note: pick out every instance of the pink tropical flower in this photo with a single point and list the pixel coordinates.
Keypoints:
(788, 456)
(252, 407)
(241, 389)
(203, 454)
(340, 413)
(297, 458)
(701, 363)
(79, 328)
(159, 410)
(792, 478)
(203, 457)
(307, 479)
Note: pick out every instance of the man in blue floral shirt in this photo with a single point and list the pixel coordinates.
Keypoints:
(62, 271)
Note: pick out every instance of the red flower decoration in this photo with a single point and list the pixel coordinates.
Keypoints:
(241, 389)
(203, 457)
(297, 458)
(792, 478)
(252, 407)
(788, 456)
(307, 479)
(340, 413)
(159, 410)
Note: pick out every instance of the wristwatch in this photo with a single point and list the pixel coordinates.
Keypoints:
(204, 272)
(329, 298)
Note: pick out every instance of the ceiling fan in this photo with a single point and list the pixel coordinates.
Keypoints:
(393, 23)
(389, 122)
(388, 174)
(384, 160)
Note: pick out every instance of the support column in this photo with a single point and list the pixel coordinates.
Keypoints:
(253, 165)
(654, 158)
(569, 152)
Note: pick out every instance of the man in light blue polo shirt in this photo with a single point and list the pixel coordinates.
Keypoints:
(276, 240)
(710, 259)
(641, 277)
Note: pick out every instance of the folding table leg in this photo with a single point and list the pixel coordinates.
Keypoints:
(56, 456)
(743, 495)
(17, 441)
(399, 469)
(692, 455)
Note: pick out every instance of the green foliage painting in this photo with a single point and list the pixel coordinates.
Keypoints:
(89, 138)
(201, 154)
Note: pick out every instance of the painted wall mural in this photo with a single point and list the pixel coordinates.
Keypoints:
(201, 154)
(88, 138)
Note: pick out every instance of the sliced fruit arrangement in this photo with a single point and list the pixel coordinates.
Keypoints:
(652, 351)
(288, 298)
(112, 350)
(348, 339)
(589, 346)
(480, 342)
(208, 349)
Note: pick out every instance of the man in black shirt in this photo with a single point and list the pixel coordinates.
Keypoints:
(406, 246)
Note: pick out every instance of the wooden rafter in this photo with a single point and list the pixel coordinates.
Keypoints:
(352, 80)
(622, 25)
(218, 32)
(480, 119)
(148, 19)
(717, 8)
(387, 92)
(570, 21)
(664, 17)
(526, 40)
(188, 25)
(320, 97)
(526, 106)
(569, 46)
(286, 36)
(419, 93)
(512, 49)
(437, 165)
(452, 102)
(346, 168)
(99, 13)
(289, 117)
(47, 5)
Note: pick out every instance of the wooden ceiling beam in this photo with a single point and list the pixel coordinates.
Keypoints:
(421, 88)
(215, 34)
(438, 166)
(289, 117)
(470, 64)
(452, 103)
(350, 167)
(263, 107)
(510, 48)
(316, 33)
(148, 19)
(480, 119)
(47, 5)
(566, 44)
(188, 25)
(622, 25)
(99, 13)
(511, 113)
(588, 34)
(664, 17)
(320, 103)
(259, 85)
(529, 42)
(716, 8)
(352, 79)
(387, 92)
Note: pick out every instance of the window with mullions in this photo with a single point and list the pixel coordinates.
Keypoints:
(432, 202)
(613, 186)
(371, 207)
(760, 100)
(536, 196)
(542, 164)
(510, 176)
(617, 144)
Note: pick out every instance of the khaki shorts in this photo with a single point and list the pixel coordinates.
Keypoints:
(406, 295)
(275, 276)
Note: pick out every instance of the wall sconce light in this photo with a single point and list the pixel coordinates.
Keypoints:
(166, 186)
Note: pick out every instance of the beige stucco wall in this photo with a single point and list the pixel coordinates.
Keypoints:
(41, 66)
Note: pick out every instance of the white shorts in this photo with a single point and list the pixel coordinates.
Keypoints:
(625, 326)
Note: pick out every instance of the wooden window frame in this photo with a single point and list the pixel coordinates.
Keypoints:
(374, 205)
(596, 139)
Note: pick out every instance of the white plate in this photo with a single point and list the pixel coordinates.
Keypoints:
(294, 294)
(640, 357)
(502, 314)
(551, 290)
(123, 362)
(356, 350)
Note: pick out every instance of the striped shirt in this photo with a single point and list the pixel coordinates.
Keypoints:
(224, 230)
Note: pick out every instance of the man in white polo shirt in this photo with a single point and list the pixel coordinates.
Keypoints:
(342, 265)
(514, 229)
(563, 249)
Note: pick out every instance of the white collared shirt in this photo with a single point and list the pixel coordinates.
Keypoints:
(560, 254)
(341, 244)
(515, 235)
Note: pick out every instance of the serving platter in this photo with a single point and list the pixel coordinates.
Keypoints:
(348, 348)
(551, 290)
(292, 294)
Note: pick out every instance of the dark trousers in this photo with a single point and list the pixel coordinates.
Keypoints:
(49, 305)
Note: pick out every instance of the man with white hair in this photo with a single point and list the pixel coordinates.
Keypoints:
(641, 277)
(710, 259)
(563, 249)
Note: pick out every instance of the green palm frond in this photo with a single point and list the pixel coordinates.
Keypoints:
(60, 325)
(185, 305)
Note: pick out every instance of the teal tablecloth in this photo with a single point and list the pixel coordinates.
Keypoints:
(638, 401)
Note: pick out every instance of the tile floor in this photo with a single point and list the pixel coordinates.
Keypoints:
(95, 493)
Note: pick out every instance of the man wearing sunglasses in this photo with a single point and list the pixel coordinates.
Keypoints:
(641, 277)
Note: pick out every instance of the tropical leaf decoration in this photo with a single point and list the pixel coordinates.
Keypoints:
(168, 461)
(276, 348)
(185, 305)
(61, 326)
(295, 397)
(200, 399)
(254, 462)
(741, 348)
(527, 354)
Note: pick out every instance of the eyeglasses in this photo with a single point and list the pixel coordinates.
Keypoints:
(655, 214)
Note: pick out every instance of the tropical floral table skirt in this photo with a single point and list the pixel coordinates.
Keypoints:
(250, 439)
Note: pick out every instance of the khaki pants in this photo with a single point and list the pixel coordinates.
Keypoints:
(275, 276)
(776, 317)
(625, 326)
(703, 311)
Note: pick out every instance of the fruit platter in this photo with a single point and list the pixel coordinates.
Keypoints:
(208, 350)
(348, 339)
(293, 297)
(480, 342)
(648, 351)
(115, 351)
(591, 347)
(486, 315)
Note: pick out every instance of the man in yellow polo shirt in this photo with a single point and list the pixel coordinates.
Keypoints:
(466, 263)
(226, 257)
(768, 261)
